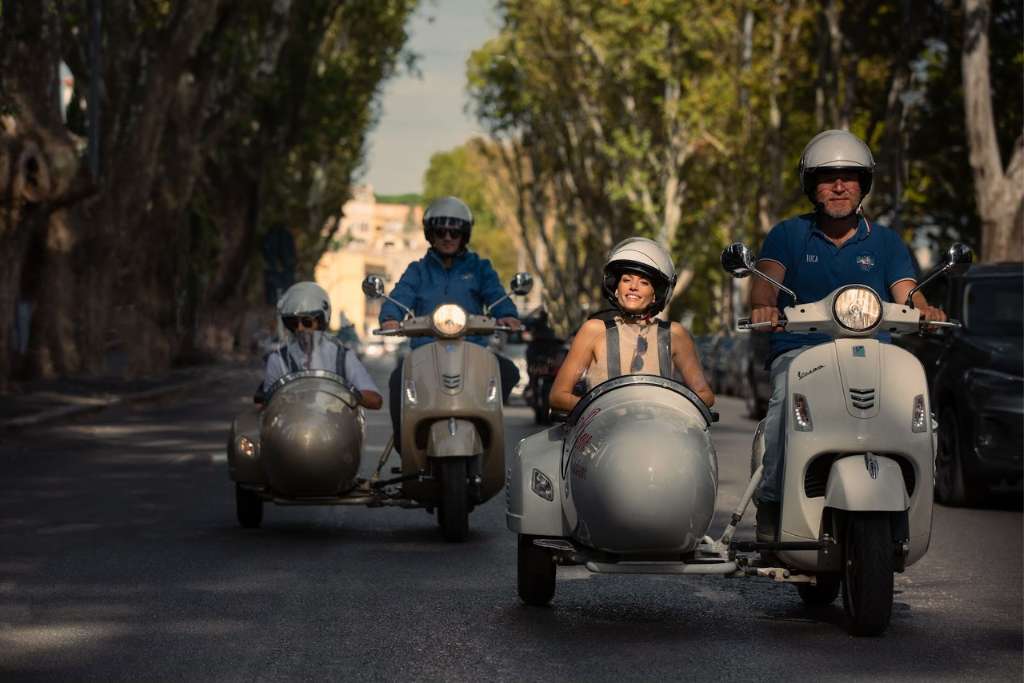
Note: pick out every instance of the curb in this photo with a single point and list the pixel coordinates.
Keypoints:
(97, 404)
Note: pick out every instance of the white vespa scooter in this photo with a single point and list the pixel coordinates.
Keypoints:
(628, 483)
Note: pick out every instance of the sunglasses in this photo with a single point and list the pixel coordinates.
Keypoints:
(301, 321)
(638, 356)
(450, 233)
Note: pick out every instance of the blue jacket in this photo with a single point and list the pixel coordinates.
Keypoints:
(471, 283)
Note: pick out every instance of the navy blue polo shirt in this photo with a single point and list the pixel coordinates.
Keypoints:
(875, 256)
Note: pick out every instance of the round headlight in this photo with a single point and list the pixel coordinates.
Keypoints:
(858, 309)
(449, 320)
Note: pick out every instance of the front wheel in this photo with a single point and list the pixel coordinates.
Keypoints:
(249, 507)
(869, 563)
(453, 510)
(535, 573)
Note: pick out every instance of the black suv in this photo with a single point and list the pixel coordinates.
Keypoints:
(976, 380)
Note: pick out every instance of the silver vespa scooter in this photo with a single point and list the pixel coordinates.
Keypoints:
(452, 429)
(627, 484)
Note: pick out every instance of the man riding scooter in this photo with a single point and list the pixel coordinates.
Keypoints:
(448, 273)
(813, 254)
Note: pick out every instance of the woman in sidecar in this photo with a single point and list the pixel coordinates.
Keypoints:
(631, 475)
(304, 444)
(638, 279)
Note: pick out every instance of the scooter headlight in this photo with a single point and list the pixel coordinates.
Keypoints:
(858, 309)
(449, 320)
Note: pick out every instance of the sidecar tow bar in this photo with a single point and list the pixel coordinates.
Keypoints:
(381, 483)
(369, 501)
(729, 567)
(750, 546)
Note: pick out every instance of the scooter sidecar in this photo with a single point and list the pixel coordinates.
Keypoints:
(303, 446)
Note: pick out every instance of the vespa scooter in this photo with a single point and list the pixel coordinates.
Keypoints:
(452, 431)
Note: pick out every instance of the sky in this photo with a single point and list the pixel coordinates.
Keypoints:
(421, 116)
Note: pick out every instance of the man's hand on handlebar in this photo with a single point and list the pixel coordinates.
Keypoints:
(390, 325)
(510, 322)
(932, 314)
(764, 314)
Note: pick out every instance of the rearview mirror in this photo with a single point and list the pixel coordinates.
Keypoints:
(959, 254)
(373, 286)
(737, 260)
(521, 284)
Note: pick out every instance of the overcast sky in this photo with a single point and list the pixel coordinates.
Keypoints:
(421, 116)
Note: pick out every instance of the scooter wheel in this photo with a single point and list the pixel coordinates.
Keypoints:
(536, 573)
(249, 507)
(453, 510)
(868, 566)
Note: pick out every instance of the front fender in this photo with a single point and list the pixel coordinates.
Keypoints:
(866, 483)
(453, 438)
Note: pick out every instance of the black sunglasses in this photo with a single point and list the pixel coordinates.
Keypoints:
(638, 355)
(450, 233)
(300, 321)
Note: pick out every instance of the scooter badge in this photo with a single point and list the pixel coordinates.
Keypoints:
(859, 351)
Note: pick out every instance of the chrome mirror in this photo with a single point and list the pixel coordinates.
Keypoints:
(373, 286)
(521, 284)
(737, 260)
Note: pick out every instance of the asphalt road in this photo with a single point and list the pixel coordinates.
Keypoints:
(120, 558)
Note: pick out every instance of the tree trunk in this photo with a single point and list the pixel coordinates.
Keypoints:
(999, 194)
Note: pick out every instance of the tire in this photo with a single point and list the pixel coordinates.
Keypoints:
(868, 566)
(951, 484)
(453, 510)
(249, 507)
(824, 592)
(535, 573)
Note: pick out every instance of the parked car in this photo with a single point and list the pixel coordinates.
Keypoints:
(736, 367)
(756, 379)
(976, 380)
(717, 366)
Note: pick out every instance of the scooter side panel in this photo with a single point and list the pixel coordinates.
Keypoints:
(243, 468)
(526, 511)
(815, 373)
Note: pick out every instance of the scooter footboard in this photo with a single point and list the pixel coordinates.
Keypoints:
(533, 486)
(865, 483)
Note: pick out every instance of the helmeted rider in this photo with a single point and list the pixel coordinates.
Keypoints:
(305, 310)
(638, 281)
(813, 254)
(448, 273)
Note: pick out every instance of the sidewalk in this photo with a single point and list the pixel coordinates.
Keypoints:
(39, 402)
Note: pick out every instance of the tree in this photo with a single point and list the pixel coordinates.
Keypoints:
(999, 192)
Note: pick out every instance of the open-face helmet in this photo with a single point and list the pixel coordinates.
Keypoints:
(643, 257)
(836, 150)
(448, 212)
(304, 299)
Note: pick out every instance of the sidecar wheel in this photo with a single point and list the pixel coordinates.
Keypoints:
(453, 510)
(536, 573)
(249, 507)
(869, 563)
(824, 592)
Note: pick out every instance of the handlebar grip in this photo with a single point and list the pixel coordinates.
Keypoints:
(380, 332)
(745, 324)
(940, 323)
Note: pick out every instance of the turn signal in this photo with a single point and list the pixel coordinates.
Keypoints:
(919, 422)
(541, 485)
(802, 413)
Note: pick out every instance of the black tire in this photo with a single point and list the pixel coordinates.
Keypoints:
(536, 573)
(824, 592)
(453, 510)
(868, 566)
(249, 507)
(952, 486)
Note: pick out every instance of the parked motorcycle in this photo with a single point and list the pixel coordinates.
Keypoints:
(627, 484)
(452, 431)
(544, 357)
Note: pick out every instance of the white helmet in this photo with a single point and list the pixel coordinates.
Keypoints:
(646, 258)
(448, 212)
(304, 299)
(836, 150)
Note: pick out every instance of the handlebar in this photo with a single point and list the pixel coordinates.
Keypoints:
(940, 323)
(745, 324)
(386, 333)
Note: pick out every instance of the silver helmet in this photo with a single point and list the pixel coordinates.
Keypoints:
(304, 299)
(448, 212)
(836, 150)
(644, 257)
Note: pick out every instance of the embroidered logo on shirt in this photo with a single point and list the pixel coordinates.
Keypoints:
(467, 276)
(812, 258)
(866, 261)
